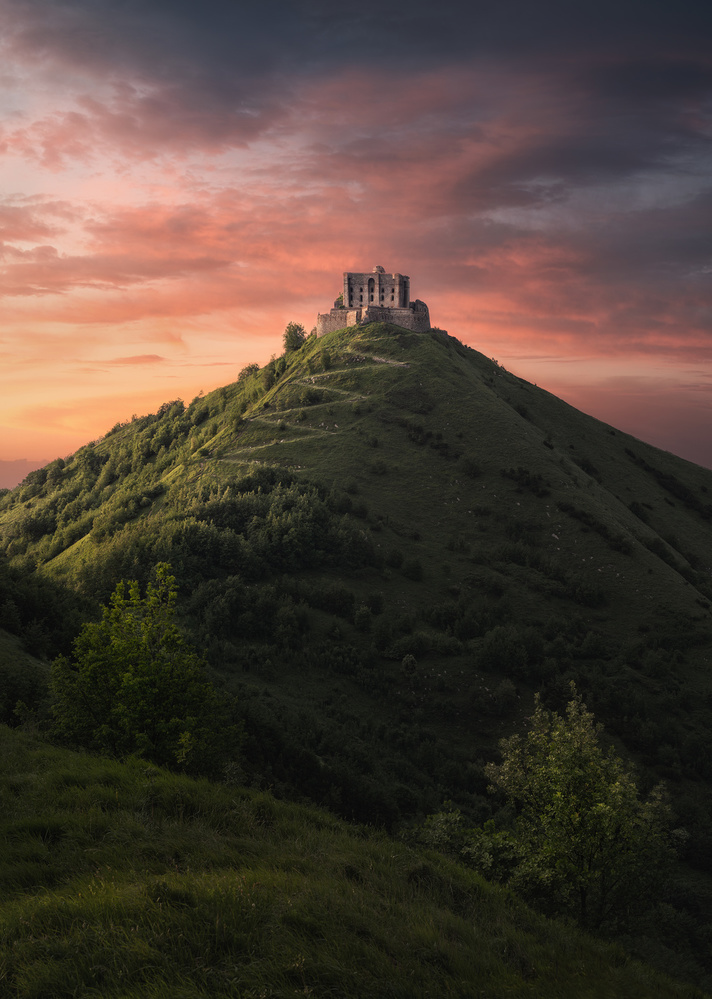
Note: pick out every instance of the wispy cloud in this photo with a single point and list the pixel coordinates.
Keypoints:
(137, 359)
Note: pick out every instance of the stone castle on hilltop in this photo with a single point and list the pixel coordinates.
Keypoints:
(375, 298)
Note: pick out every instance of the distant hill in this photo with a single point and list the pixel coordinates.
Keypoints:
(381, 494)
(13, 471)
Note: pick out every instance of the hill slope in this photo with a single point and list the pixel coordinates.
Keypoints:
(123, 881)
(381, 493)
(386, 544)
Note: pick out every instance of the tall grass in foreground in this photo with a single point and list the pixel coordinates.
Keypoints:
(126, 881)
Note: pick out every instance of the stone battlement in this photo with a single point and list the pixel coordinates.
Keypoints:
(375, 297)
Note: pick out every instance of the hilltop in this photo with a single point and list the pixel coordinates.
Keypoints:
(386, 543)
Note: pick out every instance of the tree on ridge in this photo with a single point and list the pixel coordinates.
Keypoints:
(294, 337)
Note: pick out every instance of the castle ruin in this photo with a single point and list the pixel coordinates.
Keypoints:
(375, 298)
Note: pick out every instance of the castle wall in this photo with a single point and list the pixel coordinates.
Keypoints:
(337, 319)
(411, 319)
(416, 319)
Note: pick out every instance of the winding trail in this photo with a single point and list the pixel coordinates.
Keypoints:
(245, 453)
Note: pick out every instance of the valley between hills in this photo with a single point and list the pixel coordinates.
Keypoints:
(384, 545)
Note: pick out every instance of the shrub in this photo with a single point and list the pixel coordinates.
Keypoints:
(409, 665)
(134, 686)
(362, 618)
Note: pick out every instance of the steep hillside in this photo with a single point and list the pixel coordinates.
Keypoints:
(129, 882)
(381, 493)
(386, 543)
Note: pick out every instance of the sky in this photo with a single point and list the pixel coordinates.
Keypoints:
(178, 180)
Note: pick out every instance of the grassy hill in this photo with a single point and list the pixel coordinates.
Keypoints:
(125, 881)
(378, 495)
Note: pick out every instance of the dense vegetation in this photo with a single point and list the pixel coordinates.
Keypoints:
(583, 844)
(385, 544)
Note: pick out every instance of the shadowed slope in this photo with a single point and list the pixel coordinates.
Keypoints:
(136, 883)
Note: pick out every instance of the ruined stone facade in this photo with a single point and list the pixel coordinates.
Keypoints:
(375, 297)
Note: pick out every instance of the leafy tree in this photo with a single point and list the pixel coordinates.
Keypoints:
(133, 685)
(503, 649)
(247, 371)
(294, 337)
(587, 843)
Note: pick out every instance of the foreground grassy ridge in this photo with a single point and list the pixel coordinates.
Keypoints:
(124, 881)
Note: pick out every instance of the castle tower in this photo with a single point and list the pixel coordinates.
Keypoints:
(376, 289)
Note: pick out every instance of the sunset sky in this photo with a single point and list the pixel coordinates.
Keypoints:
(181, 179)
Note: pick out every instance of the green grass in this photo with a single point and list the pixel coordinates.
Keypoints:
(120, 880)
(588, 546)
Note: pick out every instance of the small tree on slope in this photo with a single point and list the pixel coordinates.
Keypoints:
(134, 686)
(586, 842)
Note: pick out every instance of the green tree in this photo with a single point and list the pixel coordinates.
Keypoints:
(134, 686)
(294, 337)
(248, 371)
(588, 844)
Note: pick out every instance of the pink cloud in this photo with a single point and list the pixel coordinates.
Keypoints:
(30, 222)
(137, 359)
(132, 125)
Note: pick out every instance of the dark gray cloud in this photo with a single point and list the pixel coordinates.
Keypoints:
(223, 41)
(636, 75)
